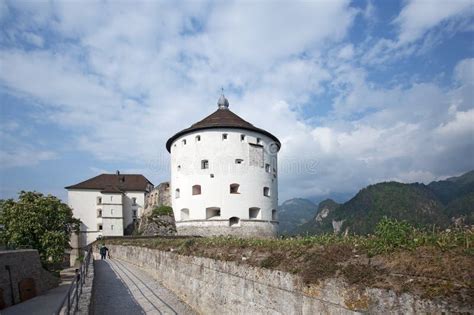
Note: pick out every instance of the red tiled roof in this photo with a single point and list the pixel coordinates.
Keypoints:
(221, 118)
(114, 183)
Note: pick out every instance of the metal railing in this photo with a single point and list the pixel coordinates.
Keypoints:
(71, 299)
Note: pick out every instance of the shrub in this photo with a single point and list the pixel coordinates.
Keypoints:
(162, 210)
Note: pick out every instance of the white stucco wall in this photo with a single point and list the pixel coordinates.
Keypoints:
(215, 192)
(117, 210)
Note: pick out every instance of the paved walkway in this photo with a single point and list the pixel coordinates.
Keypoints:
(123, 288)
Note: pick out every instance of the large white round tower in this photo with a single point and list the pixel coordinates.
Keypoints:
(224, 177)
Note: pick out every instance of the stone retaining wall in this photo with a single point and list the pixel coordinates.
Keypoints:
(23, 264)
(221, 287)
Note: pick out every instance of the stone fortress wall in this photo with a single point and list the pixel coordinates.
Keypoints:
(222, 287)
(28, 278)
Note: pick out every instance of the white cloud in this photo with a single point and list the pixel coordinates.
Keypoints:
(418, 16)
(124, 84)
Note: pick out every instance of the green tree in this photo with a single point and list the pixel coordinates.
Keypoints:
(41, 222)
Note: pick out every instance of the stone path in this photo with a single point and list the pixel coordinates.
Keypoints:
(123, 288)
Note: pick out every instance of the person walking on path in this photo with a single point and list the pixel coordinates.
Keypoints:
(103, 252)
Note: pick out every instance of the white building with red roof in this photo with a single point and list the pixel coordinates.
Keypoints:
(108, 203)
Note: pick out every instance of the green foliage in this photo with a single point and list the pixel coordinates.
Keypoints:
(40, 222)
(393, 233)
(162, 210)
(418, 204)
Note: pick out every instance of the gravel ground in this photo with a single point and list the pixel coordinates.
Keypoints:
(123, 288)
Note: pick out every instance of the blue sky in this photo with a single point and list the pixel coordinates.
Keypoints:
(357, 91)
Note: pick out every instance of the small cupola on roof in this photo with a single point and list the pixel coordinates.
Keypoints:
(223, 103)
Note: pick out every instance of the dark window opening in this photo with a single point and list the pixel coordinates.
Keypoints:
(254, 213)
(213, 212)
(196, 189)
(266, 191)
(274, 215)
(234, 221)
(234, 188)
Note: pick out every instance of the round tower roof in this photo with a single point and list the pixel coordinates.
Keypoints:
(223, 117)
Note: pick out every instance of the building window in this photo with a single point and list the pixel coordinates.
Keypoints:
(259, 140)
(224, 136)
(242, 138)
(111, 198)
(134, 213)
(184, 214)
(99, 213)
(176, 193)
(266, 191)
(234, 188)
(267, 168)
(254, 213)
(99, 200)
(213, 212)
(196, 189)
(184, 141)
(111, 211)
(238, 161)
(274, 215)
(212, 175)
(179, 168)
(99, 227)
(112, 227)
(234, 221)
(134, 201)
(204, 164)
(198, 138)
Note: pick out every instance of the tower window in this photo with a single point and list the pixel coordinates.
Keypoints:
(184, 141)
(112, 227)
(224, 136)
(134, 213)
(134, 201)
(238, 161)
(99, 200)
(176, 193)
(259, 140)
(111, 211)
(274, 215)
(212, 175)
(266, 191)
(234, 221)
(198, 138)
(196, 189)
(267, 168)
(99, 227)
(179, 168)
(242, 138)
(99, 213)
(204, 164)
(254, 213)
(234, 188)
(213, 212)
